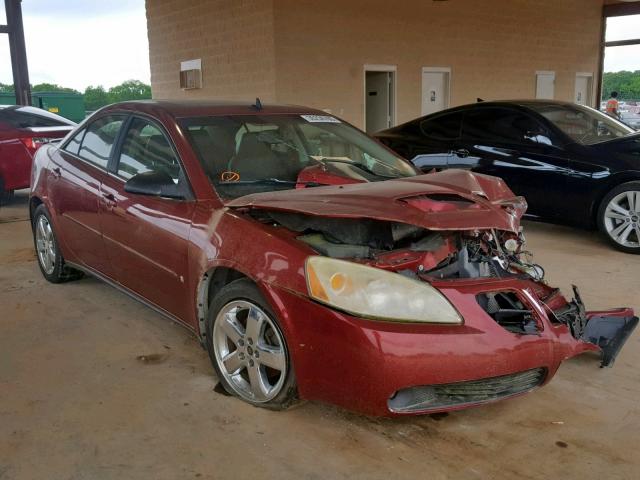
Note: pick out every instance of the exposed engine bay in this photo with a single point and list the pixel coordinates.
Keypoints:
(411, 250)
(433, 256)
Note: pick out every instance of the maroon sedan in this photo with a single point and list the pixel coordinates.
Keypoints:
(22, 131)
(309, 260)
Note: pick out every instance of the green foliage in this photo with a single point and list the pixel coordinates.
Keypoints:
(51, 87)
(129, 90)
(626, 83)
(95, 97)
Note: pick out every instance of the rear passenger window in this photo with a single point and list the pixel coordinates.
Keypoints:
(99, 140)
(146, 148)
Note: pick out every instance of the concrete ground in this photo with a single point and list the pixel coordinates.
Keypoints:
(78, 402)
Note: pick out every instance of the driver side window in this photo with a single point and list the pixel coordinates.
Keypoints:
(146, 148)
(502, 125)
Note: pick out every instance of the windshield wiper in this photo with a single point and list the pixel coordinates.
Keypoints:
(324, 160)
(270, 181)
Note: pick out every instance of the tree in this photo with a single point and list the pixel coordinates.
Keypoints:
(626, 83)
(52, 87)
(6, 88)
(95, 97)
(129, 90)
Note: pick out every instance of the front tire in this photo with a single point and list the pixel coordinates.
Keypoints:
(619, 217)
(248, 349)
(50, 258)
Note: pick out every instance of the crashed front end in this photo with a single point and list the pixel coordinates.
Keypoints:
(506, 333)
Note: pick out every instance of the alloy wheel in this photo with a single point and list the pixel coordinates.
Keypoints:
(622, 219)
(250, 351)
(45, 245)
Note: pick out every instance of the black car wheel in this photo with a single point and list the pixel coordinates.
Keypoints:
(248, 349)
(50, 259)
(619, 217)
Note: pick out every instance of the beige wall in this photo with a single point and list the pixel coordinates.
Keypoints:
(313, 52)
(234, 39)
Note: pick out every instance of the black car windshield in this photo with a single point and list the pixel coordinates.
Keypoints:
(245, 154)
(582, 124)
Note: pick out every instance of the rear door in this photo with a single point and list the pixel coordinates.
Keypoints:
(515, 146)
(77, 172)
(147, 236)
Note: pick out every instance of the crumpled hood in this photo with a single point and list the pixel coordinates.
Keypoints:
(448, 200)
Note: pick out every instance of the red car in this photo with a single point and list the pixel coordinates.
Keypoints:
(309, 260)
(22, 131)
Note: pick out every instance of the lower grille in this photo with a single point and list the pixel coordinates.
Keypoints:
(437, 397)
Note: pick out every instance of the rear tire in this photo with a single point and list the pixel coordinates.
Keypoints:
(619, 217)
(48, 253)
(248, 349)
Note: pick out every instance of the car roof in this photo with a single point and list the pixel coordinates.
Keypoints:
(201, 108)
(524, 103)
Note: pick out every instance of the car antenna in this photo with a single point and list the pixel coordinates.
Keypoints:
(479, 100)
(258, 104)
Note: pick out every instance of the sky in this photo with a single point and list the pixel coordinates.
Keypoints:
(622, 58)
(76, 43)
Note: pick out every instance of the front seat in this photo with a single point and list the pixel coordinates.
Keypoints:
(255, 161)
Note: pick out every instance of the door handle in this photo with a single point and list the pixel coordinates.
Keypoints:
(462, 152)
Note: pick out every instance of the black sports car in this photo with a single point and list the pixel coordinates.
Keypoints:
(573, 164)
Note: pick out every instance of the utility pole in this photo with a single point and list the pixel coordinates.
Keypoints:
(15, 30)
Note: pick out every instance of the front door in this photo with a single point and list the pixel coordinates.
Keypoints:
(435, 90)
(510, 144)
(146, 237)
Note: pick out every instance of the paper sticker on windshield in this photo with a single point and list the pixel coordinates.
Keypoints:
(320, 119)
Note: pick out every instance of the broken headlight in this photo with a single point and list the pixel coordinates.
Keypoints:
(374, 293)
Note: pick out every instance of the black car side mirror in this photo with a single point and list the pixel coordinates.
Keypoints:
(153, 183)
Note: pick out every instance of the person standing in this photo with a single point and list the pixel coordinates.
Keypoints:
(613, 106)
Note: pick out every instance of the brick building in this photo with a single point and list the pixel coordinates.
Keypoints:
(375, 62)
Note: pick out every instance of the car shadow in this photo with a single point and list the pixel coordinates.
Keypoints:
(15, 208)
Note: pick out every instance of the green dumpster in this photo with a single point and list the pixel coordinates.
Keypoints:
(68, 105)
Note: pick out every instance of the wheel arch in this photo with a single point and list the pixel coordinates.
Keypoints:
(211, 282)
(34, 203)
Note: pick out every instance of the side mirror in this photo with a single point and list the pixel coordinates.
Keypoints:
(153, 183)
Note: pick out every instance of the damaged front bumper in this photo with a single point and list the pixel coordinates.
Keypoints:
(608, 330)
(387, 369)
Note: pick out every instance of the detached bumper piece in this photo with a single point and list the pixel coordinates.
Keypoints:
(610, 334)
(474, 392)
